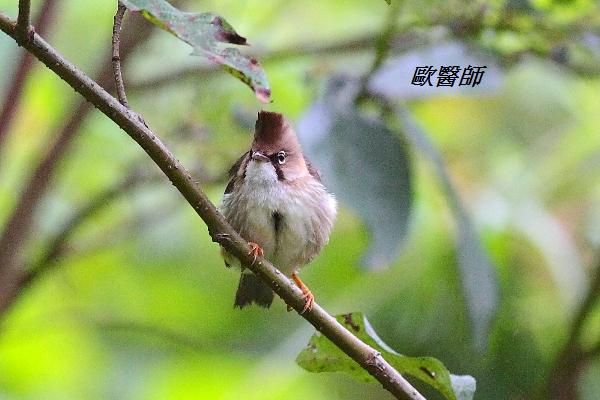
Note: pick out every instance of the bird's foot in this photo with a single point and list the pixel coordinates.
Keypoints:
(307, 294)
(310, 300)
(255, 251)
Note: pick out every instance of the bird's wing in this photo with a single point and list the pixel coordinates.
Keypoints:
(233, 171)
(312, 170)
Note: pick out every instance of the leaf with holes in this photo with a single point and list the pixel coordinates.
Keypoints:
(323, 356)
(206, 32)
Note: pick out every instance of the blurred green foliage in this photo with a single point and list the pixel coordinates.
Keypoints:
(140, 307)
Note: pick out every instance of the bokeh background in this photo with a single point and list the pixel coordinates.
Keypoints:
(135, 303)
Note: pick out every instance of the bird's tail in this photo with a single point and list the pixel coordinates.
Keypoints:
(252, 290)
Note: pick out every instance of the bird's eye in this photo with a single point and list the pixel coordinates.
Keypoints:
(281, 157)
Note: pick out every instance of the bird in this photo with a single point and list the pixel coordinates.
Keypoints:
(277, 202)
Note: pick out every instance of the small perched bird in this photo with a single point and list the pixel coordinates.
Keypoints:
(276, 201)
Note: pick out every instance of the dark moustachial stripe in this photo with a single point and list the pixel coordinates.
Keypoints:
(233, 172)
(236, 166)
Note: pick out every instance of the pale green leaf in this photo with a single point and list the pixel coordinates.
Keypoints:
(321, 355)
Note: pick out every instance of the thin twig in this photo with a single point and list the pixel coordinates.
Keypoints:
(116, 58)
(23, 26)
(14, 93)
(218, 227)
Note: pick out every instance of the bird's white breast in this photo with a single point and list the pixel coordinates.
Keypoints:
(307, 212)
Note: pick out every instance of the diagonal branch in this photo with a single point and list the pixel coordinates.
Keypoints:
(218, 228)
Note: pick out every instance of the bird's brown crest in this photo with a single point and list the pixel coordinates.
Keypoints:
(273, 133)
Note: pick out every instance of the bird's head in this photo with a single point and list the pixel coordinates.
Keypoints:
(276, 154)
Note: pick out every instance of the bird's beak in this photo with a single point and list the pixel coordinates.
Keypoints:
(259, 156)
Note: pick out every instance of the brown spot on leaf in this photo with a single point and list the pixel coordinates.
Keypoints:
(348, 321)
(262, 94)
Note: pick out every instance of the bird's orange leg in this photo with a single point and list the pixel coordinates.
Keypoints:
(310, 298)
(255, 251)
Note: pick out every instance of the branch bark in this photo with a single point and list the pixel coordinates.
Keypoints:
(218, 228)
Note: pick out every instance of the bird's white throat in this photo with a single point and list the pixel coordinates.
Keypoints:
(260, 173)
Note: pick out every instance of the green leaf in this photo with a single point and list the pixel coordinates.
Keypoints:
(365, 164)
(321, 355)
(478, 274)
(204, 32)
(389, 2)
